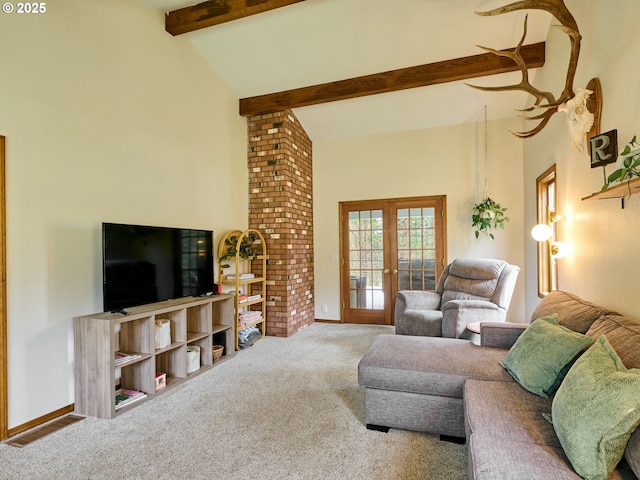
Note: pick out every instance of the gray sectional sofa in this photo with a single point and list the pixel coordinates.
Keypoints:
(455, 388)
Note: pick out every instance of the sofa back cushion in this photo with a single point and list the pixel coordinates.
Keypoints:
(573, 312)
(472, 279)
(623, 334)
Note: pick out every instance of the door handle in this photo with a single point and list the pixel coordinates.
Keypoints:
(395, 271)
(385, 271)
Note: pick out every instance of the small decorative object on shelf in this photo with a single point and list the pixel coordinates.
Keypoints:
(217, 352)
(193, 358)
(163, 333)
(486, 215)
(161, 381)
(245, 254)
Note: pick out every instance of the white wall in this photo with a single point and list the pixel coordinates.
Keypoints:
(444, 161)
(107, 118)
(604, 238)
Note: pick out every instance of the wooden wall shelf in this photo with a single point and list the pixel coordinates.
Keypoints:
(620, 190)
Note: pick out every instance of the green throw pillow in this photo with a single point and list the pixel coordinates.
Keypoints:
(543, 355)
(596, 410)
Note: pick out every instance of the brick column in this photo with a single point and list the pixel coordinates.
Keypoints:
(281, 207)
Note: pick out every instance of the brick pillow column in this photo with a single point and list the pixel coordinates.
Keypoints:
(281, 207)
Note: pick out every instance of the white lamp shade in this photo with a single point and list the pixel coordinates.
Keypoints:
(541, 232)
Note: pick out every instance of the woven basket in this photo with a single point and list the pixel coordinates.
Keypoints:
(217, 352)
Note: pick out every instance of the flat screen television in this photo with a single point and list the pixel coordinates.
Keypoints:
(144, 264)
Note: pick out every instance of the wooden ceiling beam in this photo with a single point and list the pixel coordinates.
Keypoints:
(215, 12)
(412, 77)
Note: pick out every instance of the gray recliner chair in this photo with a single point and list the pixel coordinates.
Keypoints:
(469, 290)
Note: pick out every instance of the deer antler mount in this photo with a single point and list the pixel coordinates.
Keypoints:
(545, 102)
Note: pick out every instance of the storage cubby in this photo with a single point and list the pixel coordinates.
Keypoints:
(206, 352)
(99, 338)
(173, 363)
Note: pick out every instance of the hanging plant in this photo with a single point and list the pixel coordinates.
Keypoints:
(630, 164)
(487, 215)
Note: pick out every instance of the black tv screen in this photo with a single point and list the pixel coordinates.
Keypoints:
(143, 264)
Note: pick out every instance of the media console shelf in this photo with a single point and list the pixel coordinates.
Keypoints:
(194, 322)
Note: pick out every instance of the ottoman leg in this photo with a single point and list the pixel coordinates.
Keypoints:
(377, 428)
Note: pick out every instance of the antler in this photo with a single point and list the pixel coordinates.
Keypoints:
(568, 25)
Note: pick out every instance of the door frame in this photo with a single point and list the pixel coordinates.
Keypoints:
(4, 390)
(390, 261)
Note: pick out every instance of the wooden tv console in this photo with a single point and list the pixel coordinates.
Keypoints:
(194, 321)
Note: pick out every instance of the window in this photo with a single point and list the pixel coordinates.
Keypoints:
(546, 209)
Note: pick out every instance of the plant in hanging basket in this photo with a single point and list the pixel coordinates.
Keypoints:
(487, 215)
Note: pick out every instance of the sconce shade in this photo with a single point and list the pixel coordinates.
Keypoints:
(541, 232)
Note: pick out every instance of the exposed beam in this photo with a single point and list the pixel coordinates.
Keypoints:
(214, 12)
(420, 76)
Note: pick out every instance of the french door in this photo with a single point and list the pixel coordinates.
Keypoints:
(386, 246)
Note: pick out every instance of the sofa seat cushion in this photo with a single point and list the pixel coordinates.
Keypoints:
(507, 410)
(492, 457)
(428, 365)
(423, 323)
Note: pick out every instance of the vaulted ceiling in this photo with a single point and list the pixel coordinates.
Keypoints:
(312, 48)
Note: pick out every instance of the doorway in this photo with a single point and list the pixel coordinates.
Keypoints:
(388, 245)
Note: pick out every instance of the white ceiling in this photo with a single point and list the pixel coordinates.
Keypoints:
(318, 41)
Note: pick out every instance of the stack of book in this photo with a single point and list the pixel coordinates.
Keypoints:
(125, 357)
(242, 276)
(248, 298)
(125, 397)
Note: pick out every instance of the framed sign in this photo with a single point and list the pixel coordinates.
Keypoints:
(604, 148)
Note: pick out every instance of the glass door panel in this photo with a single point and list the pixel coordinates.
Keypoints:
(416, 253)
(366, 260)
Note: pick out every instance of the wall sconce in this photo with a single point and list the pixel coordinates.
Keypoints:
(543, 232)
(559, 249)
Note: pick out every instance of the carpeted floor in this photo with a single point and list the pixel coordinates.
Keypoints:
(282, 409)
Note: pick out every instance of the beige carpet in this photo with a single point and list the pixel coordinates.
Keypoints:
(282, 409)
